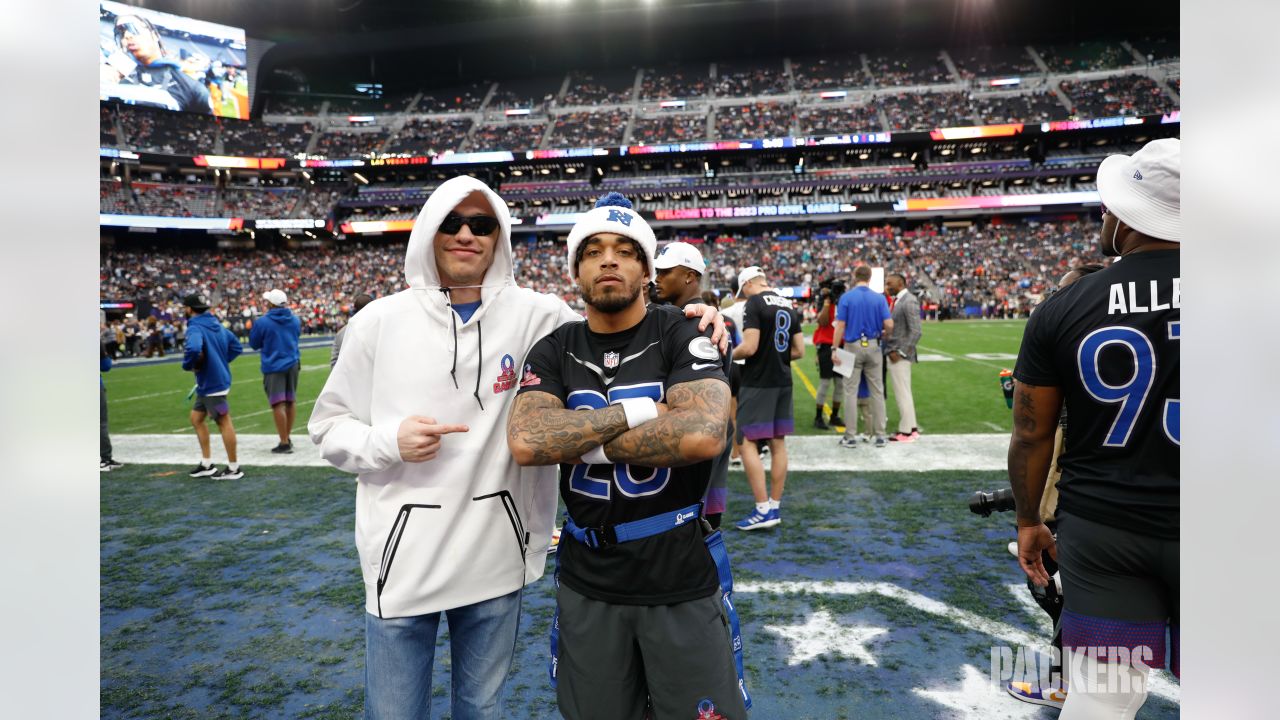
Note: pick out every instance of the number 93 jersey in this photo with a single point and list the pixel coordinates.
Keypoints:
(588, 371)
(1110, 342)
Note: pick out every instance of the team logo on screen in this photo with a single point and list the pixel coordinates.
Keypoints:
(611, 360)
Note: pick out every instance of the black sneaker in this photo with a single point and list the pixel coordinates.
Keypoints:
(202, 471)
(229, 474)
(283, 448)
(836, 421)
(819, 424)
(111, 465)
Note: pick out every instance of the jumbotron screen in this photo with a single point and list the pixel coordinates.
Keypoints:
(155, 59)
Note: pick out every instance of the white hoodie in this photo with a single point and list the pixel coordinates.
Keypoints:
(470, 524)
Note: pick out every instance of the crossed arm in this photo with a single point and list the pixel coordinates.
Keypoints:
(540, 431)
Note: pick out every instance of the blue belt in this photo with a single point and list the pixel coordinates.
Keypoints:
(596, 538)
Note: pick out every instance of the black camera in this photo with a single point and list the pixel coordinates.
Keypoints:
(831, 287)
(982, 503)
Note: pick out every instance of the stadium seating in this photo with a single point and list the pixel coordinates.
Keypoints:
(758, 120)
(1118, 95)
(839, 72)
(345, 143)
(1002, 268)
(508, 136)
(1084, 56)
(989, 62)
(685, 127)
(675, 81)
(839, 120)
(168, 132)
(423, 136)
(743, 80)
(589, 129)
(265, 139)
(589, 88)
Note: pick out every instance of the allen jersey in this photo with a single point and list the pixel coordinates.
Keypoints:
(777, 320)
(1110, 342)
(587, 371)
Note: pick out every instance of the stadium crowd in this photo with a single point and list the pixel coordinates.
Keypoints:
(822, 73)
(1120, 95)
(689, 127)
(586, 89)
(263, 139)
(589, 129)
(993, 270)
(734, 81)
(426, 136)
(522, 136)
(320, 283)
(757, 120)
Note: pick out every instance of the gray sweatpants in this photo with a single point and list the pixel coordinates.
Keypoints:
(867, 361)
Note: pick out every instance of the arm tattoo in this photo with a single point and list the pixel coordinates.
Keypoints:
(1025, 420)
(694, 426)
(540, 421)
(1029, 456)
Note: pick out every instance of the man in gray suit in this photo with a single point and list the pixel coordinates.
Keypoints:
(901, 350)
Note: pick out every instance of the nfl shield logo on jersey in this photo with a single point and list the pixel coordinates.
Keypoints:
(611, 360)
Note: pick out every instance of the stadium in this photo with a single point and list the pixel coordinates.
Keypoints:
(955, 143)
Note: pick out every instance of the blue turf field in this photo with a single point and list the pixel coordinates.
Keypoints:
(243, 600)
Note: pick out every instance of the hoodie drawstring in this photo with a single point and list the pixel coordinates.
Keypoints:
(479, 362)
(453, 371)
(453, 322)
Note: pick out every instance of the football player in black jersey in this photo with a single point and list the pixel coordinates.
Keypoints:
(771, 339)
(1108, 345)
(634, 405)
(679, 282)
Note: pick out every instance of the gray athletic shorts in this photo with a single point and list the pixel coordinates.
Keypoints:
(614, 656)
(281, 386)
(765, 413)
(215, 405)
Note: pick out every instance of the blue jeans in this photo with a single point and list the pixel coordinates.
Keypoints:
(399, 653)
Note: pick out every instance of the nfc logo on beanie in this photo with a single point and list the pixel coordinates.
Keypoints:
(619, 216)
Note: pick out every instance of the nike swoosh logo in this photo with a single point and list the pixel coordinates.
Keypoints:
(704, 366)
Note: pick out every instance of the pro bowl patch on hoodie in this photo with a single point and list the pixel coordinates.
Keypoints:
(507, 377)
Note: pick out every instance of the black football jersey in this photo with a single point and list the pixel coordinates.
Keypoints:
(777, 320)
(1110, 341)
(589, 370)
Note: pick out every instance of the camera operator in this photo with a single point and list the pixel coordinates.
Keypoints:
(829, 292)
(1108, 345)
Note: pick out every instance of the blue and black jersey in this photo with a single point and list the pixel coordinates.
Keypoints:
(1110, 342)
(588, 370)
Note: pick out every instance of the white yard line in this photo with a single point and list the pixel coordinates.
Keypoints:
(961, 357)
(978, 451)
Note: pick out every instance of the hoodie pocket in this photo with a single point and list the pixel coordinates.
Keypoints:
(513, 516)
(393, 543)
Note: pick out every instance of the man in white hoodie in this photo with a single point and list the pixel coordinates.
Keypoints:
(417, 405)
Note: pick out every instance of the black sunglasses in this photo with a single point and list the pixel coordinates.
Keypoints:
(479, 224)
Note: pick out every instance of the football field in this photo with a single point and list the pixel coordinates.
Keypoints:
(956, 385)
(879, 596)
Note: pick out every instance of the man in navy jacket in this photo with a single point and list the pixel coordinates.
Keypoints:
(209, 350)
(276, 336)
